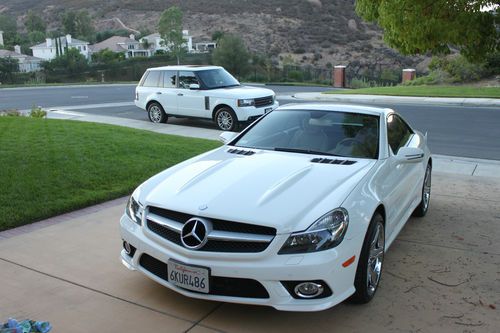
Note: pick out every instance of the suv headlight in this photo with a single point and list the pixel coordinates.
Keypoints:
(327, 232)
(246, 102)
(134, 210)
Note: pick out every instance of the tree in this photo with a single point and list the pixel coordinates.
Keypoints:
(107, 57)
(71, 62)
(170, 29)
(35, 23)
(216, 35)
(415, 27)
(9, 28)
(78, 24)
(8, 66)
(232, 54)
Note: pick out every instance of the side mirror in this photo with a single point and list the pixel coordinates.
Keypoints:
(409, 155)
(194, 86)
(226, 137)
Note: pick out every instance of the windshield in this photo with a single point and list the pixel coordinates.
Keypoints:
(217, 78)
(315, 132)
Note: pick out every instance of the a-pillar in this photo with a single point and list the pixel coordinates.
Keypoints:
(339, 76)
(409, 74)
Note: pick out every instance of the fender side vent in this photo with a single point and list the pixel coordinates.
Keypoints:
(240, 152)
(332, 161)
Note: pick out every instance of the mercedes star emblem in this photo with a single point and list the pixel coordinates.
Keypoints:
(194, 234)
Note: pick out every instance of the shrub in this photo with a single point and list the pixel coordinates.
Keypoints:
(37, 112)
(10, 113)
(361, 83)
(297, 76)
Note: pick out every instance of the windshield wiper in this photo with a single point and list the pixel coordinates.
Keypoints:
(303, 151)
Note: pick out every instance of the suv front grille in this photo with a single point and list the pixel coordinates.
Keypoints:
(226, 236)
(219, 285)
(264, 101)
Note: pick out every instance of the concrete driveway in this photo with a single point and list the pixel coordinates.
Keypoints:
(441, 275)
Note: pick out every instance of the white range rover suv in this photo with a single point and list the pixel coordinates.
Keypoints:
(201, 92)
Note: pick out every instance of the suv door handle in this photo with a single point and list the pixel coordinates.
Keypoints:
(158, 92)
(180, 94)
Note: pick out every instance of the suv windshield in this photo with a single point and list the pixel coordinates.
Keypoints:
(315, 132)
(217, 78)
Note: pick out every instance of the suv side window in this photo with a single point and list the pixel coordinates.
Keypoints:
(153, 79)
(398, 132)
(187, 78)
(169, 79)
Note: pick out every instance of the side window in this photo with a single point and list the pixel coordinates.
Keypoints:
(153, 79)
(187, 78)
(169, 78)
(398, 132)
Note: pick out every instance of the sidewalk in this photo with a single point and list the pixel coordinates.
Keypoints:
(442, 163)
(370, 99)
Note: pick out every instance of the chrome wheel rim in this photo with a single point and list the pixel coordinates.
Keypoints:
(225, 120)
(426, 192)
(375, 259)
(155, 114)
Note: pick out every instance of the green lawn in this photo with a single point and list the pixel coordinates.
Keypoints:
(49, 167)
(426, 91)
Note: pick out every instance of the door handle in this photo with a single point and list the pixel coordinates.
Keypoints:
(158, 93)
(180, 94)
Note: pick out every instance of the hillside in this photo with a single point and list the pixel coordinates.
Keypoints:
(310, 31)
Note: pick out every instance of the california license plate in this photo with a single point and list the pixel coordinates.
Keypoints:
(188, 277)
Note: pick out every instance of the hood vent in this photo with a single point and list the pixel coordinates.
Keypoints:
(240, 151)
(332, 161)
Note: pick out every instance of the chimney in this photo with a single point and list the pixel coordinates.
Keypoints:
(68, 39)
(132, 36)
(17, 49)
(1, 38)
(48, 41)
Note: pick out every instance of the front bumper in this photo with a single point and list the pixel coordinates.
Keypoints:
(266, 267)
(251, 113)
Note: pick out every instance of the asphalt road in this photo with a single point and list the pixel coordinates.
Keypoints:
(453, 130)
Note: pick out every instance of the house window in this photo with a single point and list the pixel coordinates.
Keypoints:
(84, 47)
(131, 47)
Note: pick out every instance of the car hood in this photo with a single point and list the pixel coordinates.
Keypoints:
(241, 92)
(282, 190)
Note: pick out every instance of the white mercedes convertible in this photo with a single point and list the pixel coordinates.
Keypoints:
(295, 212)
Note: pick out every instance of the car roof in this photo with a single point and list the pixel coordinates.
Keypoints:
(185, 67)
(364, 109)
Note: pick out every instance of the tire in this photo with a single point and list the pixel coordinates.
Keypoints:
(226, 119)
(425, 201)
(156, 113)
(370, 262)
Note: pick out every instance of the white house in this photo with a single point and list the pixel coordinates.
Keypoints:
(156, 42)
(47, 50)
(205, 47)
(126, 45)
(26, 63)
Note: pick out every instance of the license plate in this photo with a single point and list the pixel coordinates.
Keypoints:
(267, 110)
(188, 277)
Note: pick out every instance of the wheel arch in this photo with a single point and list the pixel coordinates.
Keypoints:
(153, 101)
(218, 107)
(381, 210)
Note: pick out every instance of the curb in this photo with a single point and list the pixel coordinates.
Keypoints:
(378, 99)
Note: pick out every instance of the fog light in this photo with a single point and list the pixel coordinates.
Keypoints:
(129, 249)
(308, 289)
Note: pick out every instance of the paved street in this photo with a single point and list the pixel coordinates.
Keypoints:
(464, 131)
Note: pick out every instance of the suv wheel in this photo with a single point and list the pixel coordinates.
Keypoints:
(226, 119)
(156, 113)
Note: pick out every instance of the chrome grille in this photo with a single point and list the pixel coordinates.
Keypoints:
(226, 236)
(264, 101)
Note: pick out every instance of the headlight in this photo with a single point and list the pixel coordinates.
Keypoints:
(246, 102)
(327, 232)
(134, 210)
